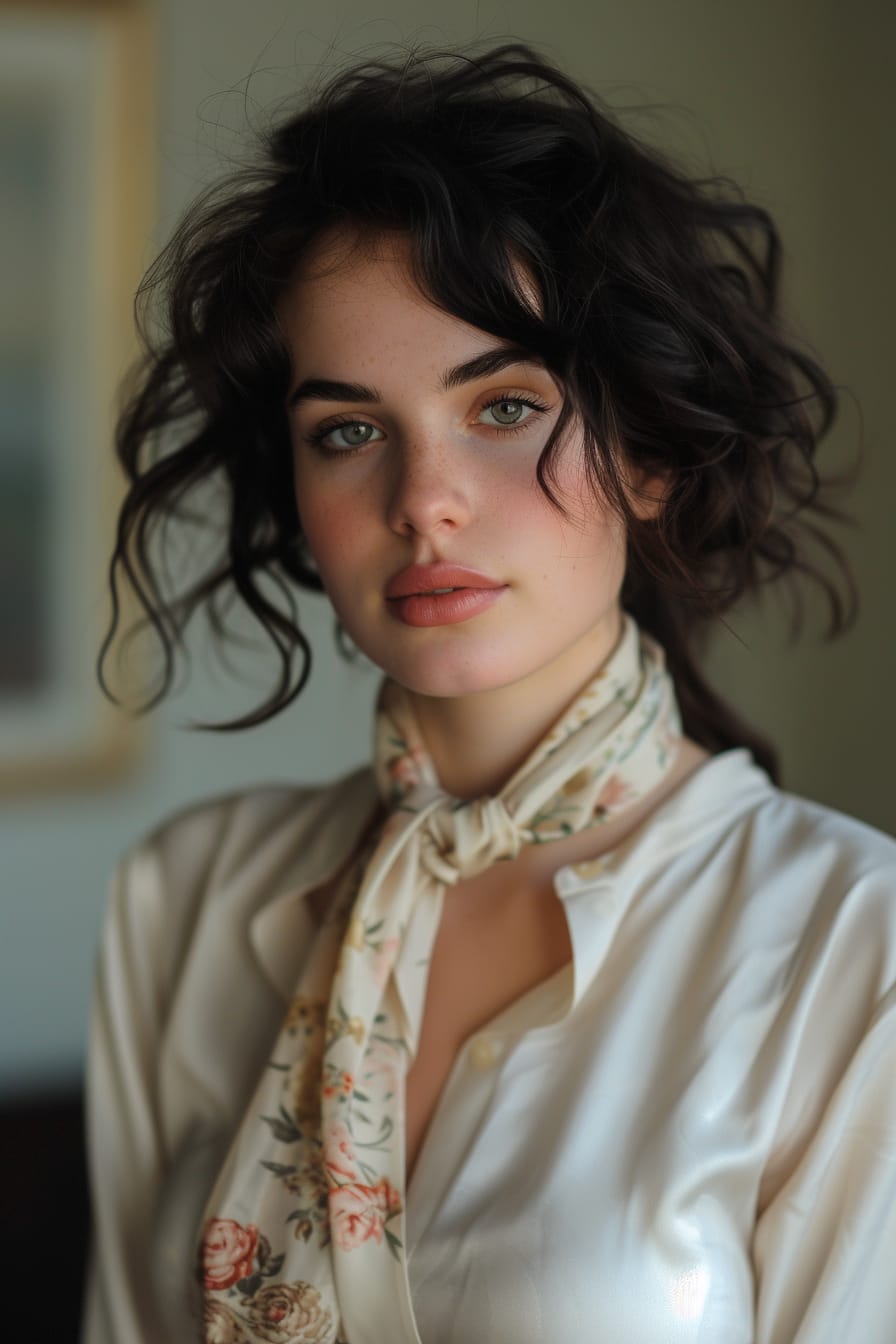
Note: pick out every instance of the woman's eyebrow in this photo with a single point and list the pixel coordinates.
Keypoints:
(481, 366)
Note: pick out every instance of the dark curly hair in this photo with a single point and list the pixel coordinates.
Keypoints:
(657, 316)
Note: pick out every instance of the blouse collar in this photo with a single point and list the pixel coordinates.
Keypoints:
(595, 892)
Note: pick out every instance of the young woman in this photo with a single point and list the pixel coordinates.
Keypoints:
(559, 1020)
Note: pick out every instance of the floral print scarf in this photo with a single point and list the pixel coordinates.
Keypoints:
(303, 1238)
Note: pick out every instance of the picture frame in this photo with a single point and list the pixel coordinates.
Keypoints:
(76, 207)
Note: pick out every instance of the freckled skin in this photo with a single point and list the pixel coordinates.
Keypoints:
(437, 479)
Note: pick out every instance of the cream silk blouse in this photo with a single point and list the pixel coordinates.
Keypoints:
(687, 1136)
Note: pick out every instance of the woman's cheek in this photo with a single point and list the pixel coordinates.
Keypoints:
(330, 530)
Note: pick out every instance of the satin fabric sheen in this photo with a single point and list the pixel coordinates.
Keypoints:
(690, 1138)
(305, 1233)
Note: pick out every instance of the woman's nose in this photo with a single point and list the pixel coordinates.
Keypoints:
(427, 491)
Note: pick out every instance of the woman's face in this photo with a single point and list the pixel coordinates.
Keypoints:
(436, 478)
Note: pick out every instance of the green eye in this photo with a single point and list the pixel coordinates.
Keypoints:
(536, 406)
(319, 437)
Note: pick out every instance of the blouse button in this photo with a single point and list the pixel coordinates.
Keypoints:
(483, 1053)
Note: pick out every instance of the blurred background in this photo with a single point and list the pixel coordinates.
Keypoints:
(113, 115)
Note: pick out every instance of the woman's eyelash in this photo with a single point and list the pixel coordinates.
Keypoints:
(317, 438)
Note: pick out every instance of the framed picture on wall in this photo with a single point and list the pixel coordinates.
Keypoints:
(76, 201)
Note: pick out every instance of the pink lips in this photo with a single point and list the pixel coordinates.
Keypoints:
(422, 579)
(444, 608)
(411, 598)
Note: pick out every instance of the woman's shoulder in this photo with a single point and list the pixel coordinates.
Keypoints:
(242, 845)
(760, 859)
(732, 800)
(781, 869)
(799, 834)
(257, 813)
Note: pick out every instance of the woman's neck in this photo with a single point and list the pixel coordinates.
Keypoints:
(477, 742)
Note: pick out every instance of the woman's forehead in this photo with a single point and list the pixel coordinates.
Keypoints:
(343, 250)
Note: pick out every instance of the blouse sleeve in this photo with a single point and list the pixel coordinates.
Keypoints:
(124, 1151)
(824, 1247)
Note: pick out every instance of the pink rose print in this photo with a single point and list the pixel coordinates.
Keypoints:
(388, 1198)
(355, 1216)
(340, 1158)
(614, 792)
(228, 1249)
(381, 1062)
(358, 1212)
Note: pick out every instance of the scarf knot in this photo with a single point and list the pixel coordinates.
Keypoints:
(464, 838)
(304, 1235)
